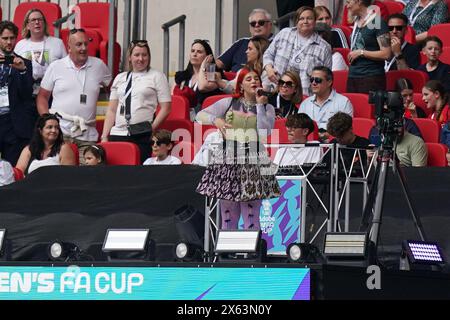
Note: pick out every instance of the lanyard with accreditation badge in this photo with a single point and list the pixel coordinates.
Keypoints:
(413, 19)
(83, 96)
(354, 36)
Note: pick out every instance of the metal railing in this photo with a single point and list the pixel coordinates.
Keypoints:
(287, 17)
(166, 26)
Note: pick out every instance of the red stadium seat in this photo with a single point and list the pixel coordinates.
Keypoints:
(344, 52)
(229, 75)
(437, 154)
(76, 153)
(410, 35)
(361, 106)
(417, 78)
(185, 151)
(94, 16)
(18, 174)
(94, 41)
(346, 29)
(441, 30)
(429, 128)
(51, 11)
(279, 131)
(99, 126)
(122, 153)
(340, 80)
(281, 135)
(362, 126)
(210, 100)
(393, 6)
(180, 108)
(185, 128)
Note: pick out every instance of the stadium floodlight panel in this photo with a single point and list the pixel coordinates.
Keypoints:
(345, 244)
(241, 241)
(126, 240)
(2, 237)
(423, 252)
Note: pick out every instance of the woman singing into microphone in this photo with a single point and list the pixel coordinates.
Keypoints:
(240, 174)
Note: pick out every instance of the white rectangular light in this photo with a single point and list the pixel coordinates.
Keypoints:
(2, 236)
(237, 241)
(125, 239)
(345, 244)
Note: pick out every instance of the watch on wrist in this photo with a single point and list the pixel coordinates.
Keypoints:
(361, 53)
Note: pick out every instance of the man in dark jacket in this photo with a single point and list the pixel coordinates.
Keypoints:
(17, 109)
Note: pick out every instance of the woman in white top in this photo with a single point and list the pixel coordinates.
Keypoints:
(148, 88)
(38, 46)
(47, 146)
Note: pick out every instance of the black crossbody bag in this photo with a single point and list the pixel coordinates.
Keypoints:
(137, 128)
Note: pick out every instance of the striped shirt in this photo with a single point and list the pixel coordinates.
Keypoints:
(286, 53)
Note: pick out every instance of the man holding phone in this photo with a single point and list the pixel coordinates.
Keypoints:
(17, 110)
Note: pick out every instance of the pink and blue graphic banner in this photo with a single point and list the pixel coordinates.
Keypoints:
(154, 283)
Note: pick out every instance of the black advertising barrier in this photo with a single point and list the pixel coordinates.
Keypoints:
(78, 204)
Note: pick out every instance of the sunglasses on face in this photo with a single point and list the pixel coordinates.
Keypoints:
(158, 143)
(398, 28)
(260, 23)
(282, 83)
(139, 43)
(316, 80)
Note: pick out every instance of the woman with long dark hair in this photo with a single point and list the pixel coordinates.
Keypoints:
(187, 81)
(47, 146)
(406, 90)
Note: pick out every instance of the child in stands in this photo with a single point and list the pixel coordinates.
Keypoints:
(94, 155)
(162, 145)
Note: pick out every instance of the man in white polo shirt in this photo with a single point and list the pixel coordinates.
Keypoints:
(75, 82)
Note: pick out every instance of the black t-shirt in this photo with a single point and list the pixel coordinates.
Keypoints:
(441, 73)
(348, 154)
(285, 108)
(366, 39)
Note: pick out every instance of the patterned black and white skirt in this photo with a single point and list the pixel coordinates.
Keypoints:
(240, 172)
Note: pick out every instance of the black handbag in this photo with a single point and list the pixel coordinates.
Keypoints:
(140, 128)
(144, 127)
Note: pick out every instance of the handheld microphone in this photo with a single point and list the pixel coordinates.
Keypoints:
(266, 92)
(262, 92)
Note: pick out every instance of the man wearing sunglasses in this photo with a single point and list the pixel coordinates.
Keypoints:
(75, 82)
(405, 56)
(325, 101)
(235, 57)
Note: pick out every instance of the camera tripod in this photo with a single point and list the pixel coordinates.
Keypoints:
(376, 200)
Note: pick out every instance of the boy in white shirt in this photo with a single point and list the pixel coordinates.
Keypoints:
(161, 146)
(299, 126)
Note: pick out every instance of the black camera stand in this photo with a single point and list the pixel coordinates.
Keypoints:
(376, 200)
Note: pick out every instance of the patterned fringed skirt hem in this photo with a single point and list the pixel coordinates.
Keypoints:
(240, 174)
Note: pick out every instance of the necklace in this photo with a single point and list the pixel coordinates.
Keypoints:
(247, 105)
